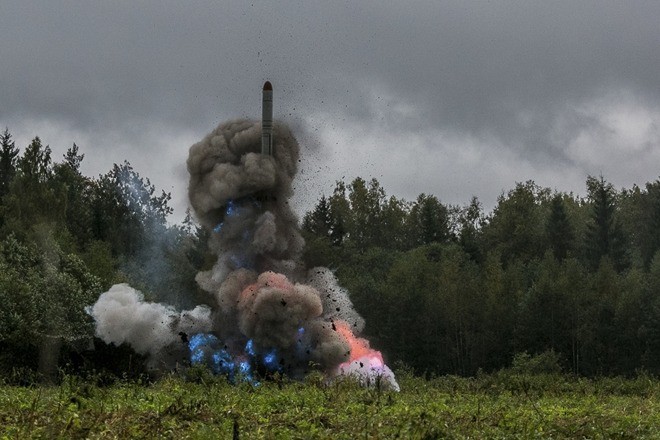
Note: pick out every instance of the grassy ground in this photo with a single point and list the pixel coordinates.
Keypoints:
(489, 407)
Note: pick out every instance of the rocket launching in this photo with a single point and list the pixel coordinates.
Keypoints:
(267, 119)
(266, 312)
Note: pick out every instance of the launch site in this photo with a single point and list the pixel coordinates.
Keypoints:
(330, 221)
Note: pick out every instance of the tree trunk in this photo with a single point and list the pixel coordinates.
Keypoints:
(49, 354)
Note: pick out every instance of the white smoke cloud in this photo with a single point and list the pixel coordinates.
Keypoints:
(123, 317)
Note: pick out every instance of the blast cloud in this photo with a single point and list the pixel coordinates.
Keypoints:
(123, 317)
(269, 313)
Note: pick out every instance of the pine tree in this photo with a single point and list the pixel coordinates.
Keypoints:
(604, 233)
(470, 222)
(32, 197)
(428, 221)
(318, 221)
(76, 190)
(649, 229)
(8, 161)
(36, 164)
(559, 231)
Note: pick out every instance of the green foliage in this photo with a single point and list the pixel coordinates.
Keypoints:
(360, 215)
(127, 213)
(541, 273)
(43, 294)
(65, 237)
(547, 362)
(491, 406)
(428, 221)
(515, 228)
(8, 161)
(469, 223)
(76, 193)
(32, 198)
(559, 232)
(605, 236)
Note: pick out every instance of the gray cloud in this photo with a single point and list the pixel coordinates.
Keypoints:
(531, 84)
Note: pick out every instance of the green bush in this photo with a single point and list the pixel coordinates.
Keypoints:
(547, 362)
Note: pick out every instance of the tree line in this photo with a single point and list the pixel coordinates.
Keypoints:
(453, 289)
(444, 289)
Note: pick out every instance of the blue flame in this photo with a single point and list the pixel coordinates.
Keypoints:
(222, 363)
(249, 348)
(206, 349)
(245, 372)
(230, 210)
(270, 357)
(199, 345)
(244, 367)
(271, 361)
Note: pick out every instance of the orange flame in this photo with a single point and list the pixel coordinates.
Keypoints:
(359, 346)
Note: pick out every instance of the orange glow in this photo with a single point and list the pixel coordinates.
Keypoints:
(266, 279)
(359, 346)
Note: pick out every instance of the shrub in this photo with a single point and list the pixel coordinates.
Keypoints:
(547, 362)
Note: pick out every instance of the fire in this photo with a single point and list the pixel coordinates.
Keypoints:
(364, 363)
(254, 323)
(359, 346)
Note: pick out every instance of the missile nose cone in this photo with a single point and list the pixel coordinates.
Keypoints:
(268, 86)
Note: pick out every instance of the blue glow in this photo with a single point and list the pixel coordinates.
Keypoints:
(249, 348)
(199, 344)
(244, 367)
(230, 210)
(271, 361)
(197, 357)
(269, 358)
(245, 372)
(201, 339)
(223, 363)
(206, 349)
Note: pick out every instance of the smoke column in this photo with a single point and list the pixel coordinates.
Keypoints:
(269, 314)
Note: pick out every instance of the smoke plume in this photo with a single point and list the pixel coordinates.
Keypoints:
(269, 314)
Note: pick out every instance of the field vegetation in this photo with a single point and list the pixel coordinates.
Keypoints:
(505, 405)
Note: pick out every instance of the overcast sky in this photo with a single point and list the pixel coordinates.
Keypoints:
(453, 98)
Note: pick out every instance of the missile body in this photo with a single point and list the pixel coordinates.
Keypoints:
(267, 119)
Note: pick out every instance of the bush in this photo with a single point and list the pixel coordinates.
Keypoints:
(547, 362)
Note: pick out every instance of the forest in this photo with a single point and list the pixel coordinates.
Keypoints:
(573, 280)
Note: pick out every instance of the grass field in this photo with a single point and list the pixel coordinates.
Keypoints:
(488, 407)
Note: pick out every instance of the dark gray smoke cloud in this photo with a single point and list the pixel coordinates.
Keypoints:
(243, 195)
(265, 303)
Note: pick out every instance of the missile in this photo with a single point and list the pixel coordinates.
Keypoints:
(267, 119)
